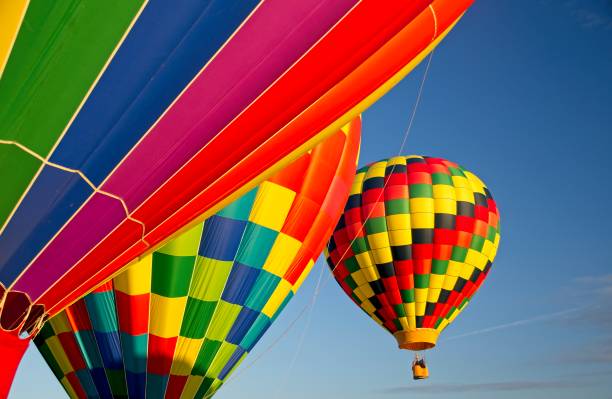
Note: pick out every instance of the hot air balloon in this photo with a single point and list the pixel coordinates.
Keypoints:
(123, 121)
(417, 238)
(176, 323)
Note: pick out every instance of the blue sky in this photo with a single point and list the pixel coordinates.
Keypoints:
(521, 94)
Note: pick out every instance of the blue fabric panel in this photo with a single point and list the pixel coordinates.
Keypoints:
(52, 200)
(136, 384)
(221, 238)
(239, 284)
(87, 383)
(240, 209)
(241, 325)
(156, 386)
(99, 378)
(262, 291)
(231, 363)
(256, 245)
(167, 46)
(110, 350)
(89, 348)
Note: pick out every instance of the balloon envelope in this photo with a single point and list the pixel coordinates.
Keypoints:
(176, 323)
(417, 239)
(124, 120)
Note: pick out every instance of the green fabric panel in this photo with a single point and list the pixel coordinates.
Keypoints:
(441, 178)
(420, 191)
(53, 64)
(397, 324)
(359, 245)
(399, 309)
(351, 264)
(477, 242)
(186, 244)
(439, 266)
(397, 207)
(205, 357)
(241, 208)
(421, 280)
(458, 254)
(223, 355)
(50, 359)
(491, 233)
(262, 290)
(407, 296)
(455, 171)
(209, 278)
(376, 225)
(350, 282)
(223, 320)
(198, 315)
(116, 380)
(255, 245)
(16, 170)
(203, 391)
(45, 332)
(438, 322)
(171, 275)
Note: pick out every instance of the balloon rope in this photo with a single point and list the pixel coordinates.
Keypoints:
(322, 284)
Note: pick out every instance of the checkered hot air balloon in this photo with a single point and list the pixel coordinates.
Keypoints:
(416, 240)
(177, 322)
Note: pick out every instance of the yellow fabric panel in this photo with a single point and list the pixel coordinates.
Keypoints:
(421, 205)
(493, 252)
(303, 276)
(185, 244)
(223, 320)
(11, 16)
(475, 183)
(476, 259)
(382, 255)
(205, 284)
(69, 390)
(412, 323)
(410, 309)
(191, 386)
(60, 324)
(232, 370)
(367, 290)
(466, 271)
(436, 280)
(368, 307)
(404, 323)
(460, 182)
(272, 205)
(465, 195)
(433, 295)
(453, 268)
(185, 355)
(487, 249)
(357, 183)
(276, 299)
(376, 170)
(364, 260)
(423, 220)
(359, 278)
(223, 355)
(420, 294)
(453, 317)
(448, 206)
(449, 282)
(371, 274)
(282, 254)
(397, 161)
(360, 294)
(420, 308)
(166, 315)
(496, 242)
(442, 325)
(400, 237)
(443, 191)
(378, 240)
(136, 279)
(58, 353)
(398, 222)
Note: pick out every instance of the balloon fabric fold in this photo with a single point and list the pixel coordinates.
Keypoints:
(417, 239)
(180, 320)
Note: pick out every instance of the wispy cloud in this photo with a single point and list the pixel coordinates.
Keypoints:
(517, 323)
(509, 386)
(591, 14)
